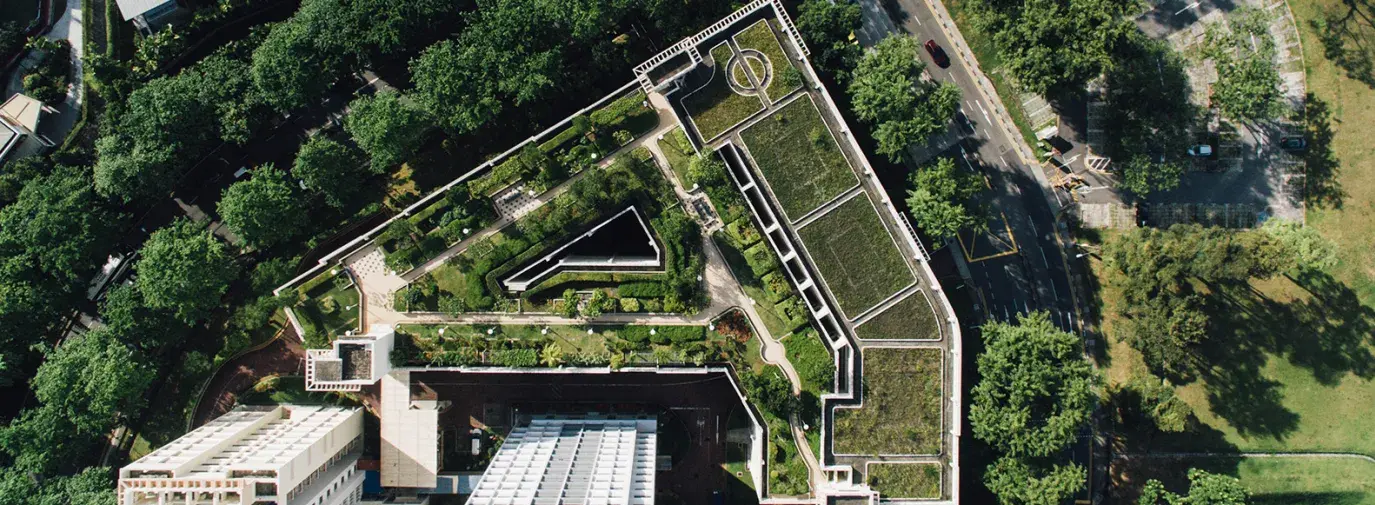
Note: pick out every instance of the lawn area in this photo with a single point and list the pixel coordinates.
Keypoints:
(1292, 360)
(1271, 481)
(679, 152)
(856, 256)
(813, 361)
(328, 307)
(761, 38)
(910, 480)
(912, 318)
(715, 107)
(800, 159)
(902, 405)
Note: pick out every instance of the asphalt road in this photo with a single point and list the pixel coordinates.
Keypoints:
(1034, 277)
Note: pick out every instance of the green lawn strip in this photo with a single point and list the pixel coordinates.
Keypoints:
(799, 158)
(856, 256)
(990, 61)
(912, 318)
(715, 107)
(905, 480)
(902, 405)
(679, 152)
(1270, 481)
(761, 38)
(813, 361)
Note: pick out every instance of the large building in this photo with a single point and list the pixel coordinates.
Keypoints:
(283, 455)
(569, 461)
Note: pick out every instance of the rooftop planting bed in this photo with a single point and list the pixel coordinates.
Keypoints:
(856, 256)
(912, 318)
(715, 107)
(902, 405)
(761, 38)
(799, 158)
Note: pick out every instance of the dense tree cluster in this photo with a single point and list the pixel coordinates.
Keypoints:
(1162, 273)
(265, 209)
(1248, 84)
(940, 198)
(1148, 115)
(388, 126)
(826, 26)
(183, 268)
(888, 92)
(1036, 391)
(330, 168)
(1048, 45)
(1204, 489)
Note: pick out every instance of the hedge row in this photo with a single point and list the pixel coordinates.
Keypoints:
(663, 335)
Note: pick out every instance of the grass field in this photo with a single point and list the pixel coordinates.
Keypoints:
(911, 480)
(799, 158)
(329, 310)
(814, 364)
(715, 107)
(679, 152)
(911, 318)
(902, 405)
(856, 256)
(761, 38)
(1271, 481)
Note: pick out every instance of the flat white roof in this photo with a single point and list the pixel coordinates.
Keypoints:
(557, 461)
(133, 8)
(246, 438)
(410, 436)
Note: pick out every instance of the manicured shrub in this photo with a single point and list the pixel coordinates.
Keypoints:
(642, 290)
(630, 305)
(761, 259)
(776, 285)
(520, 358)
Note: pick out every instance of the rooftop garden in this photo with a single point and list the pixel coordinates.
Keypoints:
(785, 78)
(715, 107)
(901, 413)
(532, 346)
(327, 306)
(912, 318)
(799, 158)
(678, 150)
(470, 281)
(856, 256)
(467, 207)
(905, 480)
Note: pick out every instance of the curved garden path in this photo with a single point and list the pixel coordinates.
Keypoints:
(284, 355)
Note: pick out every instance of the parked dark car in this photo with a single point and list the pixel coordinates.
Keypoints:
(937, 54)
(1293, 143)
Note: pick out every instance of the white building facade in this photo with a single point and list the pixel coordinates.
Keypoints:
(283, 455)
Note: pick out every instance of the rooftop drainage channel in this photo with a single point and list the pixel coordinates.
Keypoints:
(622, 242)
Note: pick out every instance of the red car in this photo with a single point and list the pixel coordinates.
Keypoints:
(937, 54)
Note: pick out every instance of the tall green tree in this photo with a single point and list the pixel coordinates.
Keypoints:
(90, 487)
(263, 210)
(1036, 389)
(1204, 489)
(1016, 482)
(127, 314)
(887, 91)
(1050, 45)
(185, 269)
(941, 198)
(826, 26)
(1148, 115)
(93, 379)
(330, 168)
(388, 126)
(46, 440)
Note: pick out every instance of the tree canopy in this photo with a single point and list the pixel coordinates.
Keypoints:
(1049, 45)
(1016, 482)
(388, 126)
(92, 378)
(888, 92)
(826, 27)
(263, 210)
(1159, 272)
(1035, 389)
(1204, 489)
(330, 168)
(185, 269)
(940, 198)
(1147, 115)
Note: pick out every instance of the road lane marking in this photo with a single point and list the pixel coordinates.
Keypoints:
(1186, 7)
(1043, 257)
